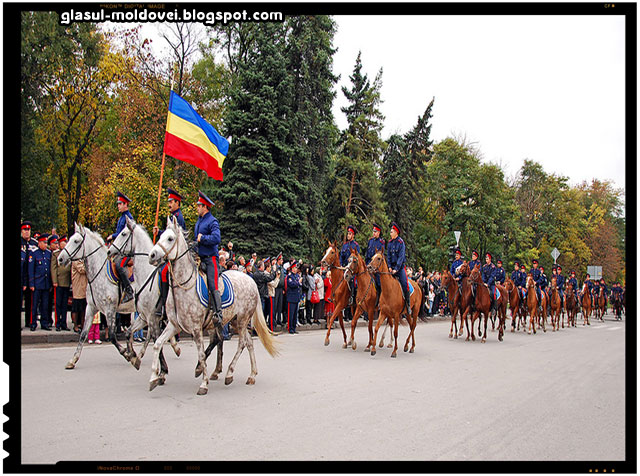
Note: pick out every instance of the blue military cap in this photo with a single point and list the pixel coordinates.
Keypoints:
(206, 201)
(517, 262)
(293, 263)
(489, 255)
(395, 226)
(458, 252)
(474, 252)
(173, 195)
(376, 227)
(62, 238)
(26, 225)
(122, 197)
(52, 239)
(534, 261)
(43, 237)
(352, 229)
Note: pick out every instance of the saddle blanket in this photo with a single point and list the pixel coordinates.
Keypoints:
(228, 296)
(497, 294)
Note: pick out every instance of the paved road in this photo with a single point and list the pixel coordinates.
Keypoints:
(553, 396)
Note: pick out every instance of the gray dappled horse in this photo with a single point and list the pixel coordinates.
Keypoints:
(134, 241)
(186, 312)
(102, 294)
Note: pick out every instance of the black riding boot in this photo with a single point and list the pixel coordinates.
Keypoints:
(164, 292)
(215, 304)
(407, 302)
(126, 285)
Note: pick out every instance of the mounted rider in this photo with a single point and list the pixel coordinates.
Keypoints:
(543, 283)
(207, 236)
(516, 277)
(605, 292)
(455, 266)
(488, 273)
(122, 203)
(174, 201)
(536, 274)
(376, 242)
(345, 252)
(574, 283)
(474, 260)
(396, 259)
(500, 273)
(560, 281)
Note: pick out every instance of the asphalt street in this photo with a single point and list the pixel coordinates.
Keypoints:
(554, 396)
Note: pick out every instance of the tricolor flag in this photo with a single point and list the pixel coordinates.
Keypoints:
(192, 139)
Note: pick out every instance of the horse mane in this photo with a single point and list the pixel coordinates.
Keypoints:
(95, 235)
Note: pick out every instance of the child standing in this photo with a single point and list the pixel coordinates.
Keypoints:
(94, 330)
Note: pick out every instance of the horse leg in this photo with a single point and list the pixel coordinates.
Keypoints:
(198, 338)
(486, 321)
(344, 333)
(371, 313)
(413, 324)
(396, 324)
(252, 357)
(213, 341)
(136, 326)
(381, 319)
(111, 321)
(243, 334)
(354, 323)
(336, 312)
(88, 320)
(154, 380)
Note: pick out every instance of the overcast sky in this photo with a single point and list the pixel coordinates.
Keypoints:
(545, 88)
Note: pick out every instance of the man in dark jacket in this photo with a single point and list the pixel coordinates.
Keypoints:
(261, 278)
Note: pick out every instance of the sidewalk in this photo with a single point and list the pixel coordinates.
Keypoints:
(40, 336)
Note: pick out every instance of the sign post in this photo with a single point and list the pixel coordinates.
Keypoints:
(457, 235)
(554, 254)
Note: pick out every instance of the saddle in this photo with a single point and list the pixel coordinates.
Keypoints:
(225, 288)
(113, 275)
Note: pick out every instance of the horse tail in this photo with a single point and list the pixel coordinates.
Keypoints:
(264, 333)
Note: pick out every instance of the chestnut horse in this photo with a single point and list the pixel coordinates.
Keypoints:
(339, 290)
(616, 304)
(602, 304)
(483, 305)
(467, 297)
(571, 305)
(556, 305)
(517, 313)
(453, 295)
(586, 304)
(392, 303)
(532, 304)
(366, 296)
(501, 307)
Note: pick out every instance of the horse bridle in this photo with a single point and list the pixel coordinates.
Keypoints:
(169, 260)
(129, 240)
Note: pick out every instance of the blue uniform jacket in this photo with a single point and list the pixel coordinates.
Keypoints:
(455, 265)
(535, 273)
(574, 283)
(345, 252)
(543, 281)
(523, 279)
(40, 269)
(122, 222)
(488, 272)
(373, 246)
(499, 275)
(179, 218)
(293, 287)
(210, 229)
(396, 254)
(516, 278)
(560, 282)
(472, 264)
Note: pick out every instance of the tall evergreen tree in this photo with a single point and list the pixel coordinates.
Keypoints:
(355, 197)
(403, 166)
(260, 211)
(313, 132)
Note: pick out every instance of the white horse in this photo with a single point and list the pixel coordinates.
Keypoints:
(186, 312)
(134, 241)
(102, 294)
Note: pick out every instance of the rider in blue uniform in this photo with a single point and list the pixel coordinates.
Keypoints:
(488, 273)
(500, 273)
(574, 282)
(543, 283)
(174, 201)
(207, 236)
(454, 267)
(123, 207)
(376, 243)
(560, 281)
(536, 275)
(294, 293)
(345, 252)
(396, 259)
(474, 260)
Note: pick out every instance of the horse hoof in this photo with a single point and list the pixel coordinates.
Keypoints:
(202, 391)
(136, 363)
(455, 336)
(214, 376)
(251, 381)
(354, 346)
(411, 350)
(344, 346)
(153, 384)
(367, 348)
(161, 380)
(483, 340)
(450, 335)
(198, 372)
(178, 351)
(326, 342)
(473, 338)
(390, 345)
(373, 351)
(500, 338)
(228, 380)
(70, 366)
(394, 355)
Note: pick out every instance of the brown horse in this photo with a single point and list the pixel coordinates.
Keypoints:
(501, 306)
(453, 295)
(602, 304)
(366, 296)
(467, 297)
(571, 305)
(392, 303)
(556, 305)
(483, 305)
(339, 290)
(586, 304)
(532, 304)
(514, 303)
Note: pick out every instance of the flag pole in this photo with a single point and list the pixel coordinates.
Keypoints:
(155, 226)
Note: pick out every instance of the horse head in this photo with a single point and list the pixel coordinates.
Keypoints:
(74, 250)
(167, 244)
(509, 285)
(475, 277)
(530, 282)
(464, 269)
(125, 238)
(330, 257)
(377, 263)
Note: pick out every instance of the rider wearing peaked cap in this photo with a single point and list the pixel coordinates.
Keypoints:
(207, 235)
(396, 259)
(345, 252)
(122, 202)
